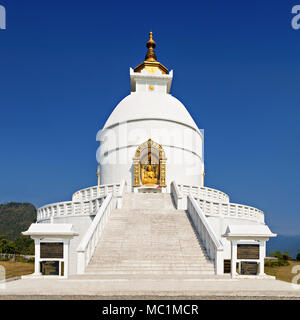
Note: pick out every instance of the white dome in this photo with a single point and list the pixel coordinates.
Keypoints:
(143, 105)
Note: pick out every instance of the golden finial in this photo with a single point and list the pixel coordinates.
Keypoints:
(151, 64)
(150, 56)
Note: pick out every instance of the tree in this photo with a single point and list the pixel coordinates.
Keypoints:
(25, 245)
(282, 258)
(15, 218)
(8, 247)
(286, 255)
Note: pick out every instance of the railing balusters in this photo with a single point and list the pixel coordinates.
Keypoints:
(86, 201)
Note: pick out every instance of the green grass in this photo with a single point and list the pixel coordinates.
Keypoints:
(16, 269)
(283, 273)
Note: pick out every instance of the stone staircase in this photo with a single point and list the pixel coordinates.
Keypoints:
(148, 236)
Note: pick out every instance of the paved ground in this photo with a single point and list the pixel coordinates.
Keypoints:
(189, 288)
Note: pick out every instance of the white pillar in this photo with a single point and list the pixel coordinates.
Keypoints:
(262, 254)
(233, 258)
(219, 262)
(66, 258)
(80, 262)
(37, 256)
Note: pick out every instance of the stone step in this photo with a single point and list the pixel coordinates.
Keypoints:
(147, 276)
(150, 269)
(153, 262)
(179, 273)
(115, 266)
(147, 260)
(153, 266)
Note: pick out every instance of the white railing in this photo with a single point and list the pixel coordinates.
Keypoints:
(69, 208)
(96, 191)
(84, 202)
(212, 245)
(214, 202)
(203, 193)
(177, 196)
(119, 195)
(230, 210)
(91, 238)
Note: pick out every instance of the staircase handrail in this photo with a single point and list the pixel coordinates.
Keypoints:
(88, 244)
(177, 196)
(212, 245)
(120, 194)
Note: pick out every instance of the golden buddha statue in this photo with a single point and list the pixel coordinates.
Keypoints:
(148, 175)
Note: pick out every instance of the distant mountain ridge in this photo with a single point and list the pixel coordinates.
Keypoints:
(16, 217)
(284, 243)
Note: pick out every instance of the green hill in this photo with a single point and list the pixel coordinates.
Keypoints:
(16, 217)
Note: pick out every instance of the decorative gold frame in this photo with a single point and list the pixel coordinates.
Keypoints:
(149, 144)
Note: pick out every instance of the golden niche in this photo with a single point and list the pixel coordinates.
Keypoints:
(149, 165)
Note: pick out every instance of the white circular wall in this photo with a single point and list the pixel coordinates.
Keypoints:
(162, 118)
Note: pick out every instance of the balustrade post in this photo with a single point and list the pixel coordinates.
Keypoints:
(91, 206)
(37, 250)
(262, 254)
(219, 262)
(81, 206)
(233, 258)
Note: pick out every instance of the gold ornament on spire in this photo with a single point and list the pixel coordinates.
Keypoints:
(151, 44)
(151, 64)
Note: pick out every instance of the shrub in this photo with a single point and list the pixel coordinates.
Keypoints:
(282, 259)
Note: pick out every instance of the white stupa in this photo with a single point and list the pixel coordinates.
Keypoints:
(150, 212)
(151, 112)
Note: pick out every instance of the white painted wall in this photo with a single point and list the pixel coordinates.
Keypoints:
(182, 144)
(80, 225)
(220, 224)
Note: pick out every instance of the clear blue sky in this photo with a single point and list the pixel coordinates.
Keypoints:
(64, 65)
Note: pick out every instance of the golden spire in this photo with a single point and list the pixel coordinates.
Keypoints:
(150, 56)
(151, 64)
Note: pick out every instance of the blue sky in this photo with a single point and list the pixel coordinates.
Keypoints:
(64, 66)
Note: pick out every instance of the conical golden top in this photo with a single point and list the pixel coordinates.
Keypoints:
(151, 64)
(151, 44)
